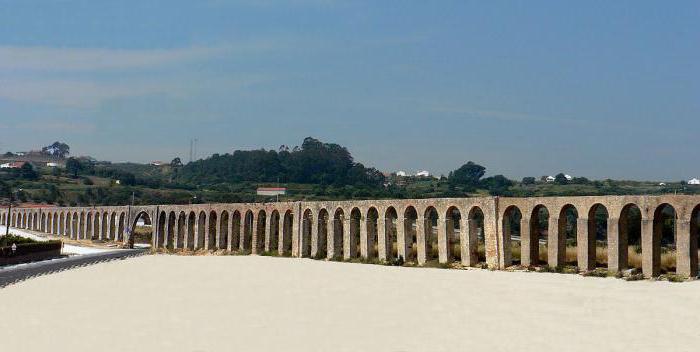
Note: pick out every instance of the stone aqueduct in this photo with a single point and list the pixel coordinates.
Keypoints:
(372, 228)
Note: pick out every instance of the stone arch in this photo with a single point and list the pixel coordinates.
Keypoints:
(74, 226)
(201, 234)
(369, 243)
(595, 251)
(449, 243)
(171, 230)
(663, 249)
(160, 230)
(476, 240)
(306, 232)
(212, 233)
(62, 224)
(236, 237)
(319, 242)
(260, 223)
(42, 225)
(111, 227)
(141, 234)
(104, 230)
(518, 248)
(429, 243)
(389, 251)
(120, 227)
(96, 233)
(223, 230)
(354, 237)
(336, 243)
(54, 224)
(191, 228)
(287, 230)
(247, 235)
(81, 226)
(410, 237)
(539, 233)
(694, 229)
(89, 229)
(181, 230)
(566, 237)
(272, 244)
(628, 251)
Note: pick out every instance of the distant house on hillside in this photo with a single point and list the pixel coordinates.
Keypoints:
(156, 163)
(694, 181)
(50, 164)
(401, 173)
(14, 165)
(423, 173)
(549, 179)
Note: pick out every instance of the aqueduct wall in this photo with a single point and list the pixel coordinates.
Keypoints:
(386, 229)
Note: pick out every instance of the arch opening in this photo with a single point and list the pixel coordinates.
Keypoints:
(354, 240)
(391, 233)
(212, 231)
(372, 232)
(223, 230)
(598, 232)
(630, 241)
(322, 236)
(141, 232)
(567, 231)
(665, 239)
(260, 232)
(287, 230)
(453, 231)
(430, 230)
(539, 230)
(306, 229)
(520, 251)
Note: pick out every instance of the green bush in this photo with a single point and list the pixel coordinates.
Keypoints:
(28, 248)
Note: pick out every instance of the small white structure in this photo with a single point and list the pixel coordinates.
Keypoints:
(662, 184)
(401, 173)
(423, 173)
(51, 164)
(568, 177)
(694, 181)
(271, 191)
(550, 179)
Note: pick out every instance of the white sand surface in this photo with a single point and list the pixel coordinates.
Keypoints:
(210, 303)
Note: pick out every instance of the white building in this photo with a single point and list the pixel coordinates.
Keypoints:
(401, 173)
(51, 164)
(423, 173)
(694, 181)
(568, 177)
(550, 179)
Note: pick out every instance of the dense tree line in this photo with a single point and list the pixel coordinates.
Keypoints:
(314, 162)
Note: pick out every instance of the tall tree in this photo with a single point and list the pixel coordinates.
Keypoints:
(58, 149)
(467, 176)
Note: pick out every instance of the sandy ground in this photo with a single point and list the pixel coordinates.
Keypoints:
(180, 303)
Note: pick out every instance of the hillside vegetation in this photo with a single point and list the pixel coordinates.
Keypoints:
(312, 171)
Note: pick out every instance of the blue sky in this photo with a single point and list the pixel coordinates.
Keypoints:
(526, 88)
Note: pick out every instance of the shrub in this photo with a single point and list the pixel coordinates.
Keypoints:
(28, 248)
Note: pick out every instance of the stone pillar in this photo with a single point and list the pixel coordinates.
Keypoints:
(331, 245)
(469, 241)
(529, 244)
(686, 250)
(556, 244)
(421, 239)
(268, 234)
(443, 240)
(296, 229)
(651, 248)
(383, 241)
(280, 235)
(349, 245)
(617, 246)
(254, 242)
(315, 237)
(402, 242)
(585, 244)
(364, 237)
